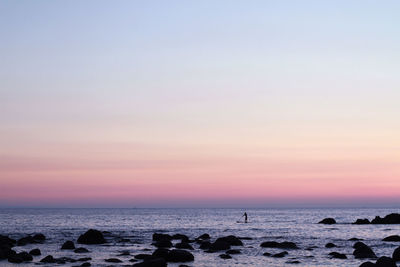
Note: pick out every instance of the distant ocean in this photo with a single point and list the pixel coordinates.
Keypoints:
(132, 229)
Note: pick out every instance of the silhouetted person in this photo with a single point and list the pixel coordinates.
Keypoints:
(245, 217)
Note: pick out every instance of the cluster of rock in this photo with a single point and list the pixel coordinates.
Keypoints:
(393, 218)
(6, 245)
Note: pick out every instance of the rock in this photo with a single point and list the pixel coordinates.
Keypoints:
(85, 264)
(219, 245)
(367, 264)
(81, 250)
(337, 255)
(161, 253)
(20, 257)
(385, 262)
(280, 255)
(39, 237)
(328, 221)
(283, 245)
(363, 251)
(392, 238)
(396, 254)
(179, 255)
(25, 240)
(158, 262)
(35, 252)
(6, 252)
(205, 245)
(225, 256)
(5, 241)
(204, 236)
(163, 243)
(183, 245)
(267, 254)
(15, 259)
(48, 259)
(68, 245)
(393, 218)
(158, 237)
(124, 253)
(355, 239)
(114, 260)
(362, 221)
(293, 262)
(84, 259)
(91, 237)
(330, 245)
(143, 256)
(233, 251)
(231, 240)
(183, 238)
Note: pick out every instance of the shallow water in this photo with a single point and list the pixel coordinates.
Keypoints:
(138, 225)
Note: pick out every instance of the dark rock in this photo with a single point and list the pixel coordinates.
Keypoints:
(231, 240)
(367, 264)
(266, 254)
(39, 237)
(114, 260)
(25, 256)
(225, 256)
(396, 254)
(233, 251)
(84, 259)
(245, 238)
(35, 252)
(179, 255)
(68, 245)
(6, 252)
(183, 245)
(48, 259)
(392, 238)
(158, 237)
(124, 253)
(219, 245)
(85, 264)
(363, 251)
(81, 250)
(91, 237)
(330, 245)
(280, 255)
(337, 255)
(205, 245)
(183, 238)
(15, 259)
(328, 221)
(393, 218)
(161, 253)
(283, 245)
(158, 262)
(25, 240)
(163, 243)
(385, 262)
(293, 262)
(5, 241)
(362, 221)
(355, 239)
(143, 256)
(204, 236)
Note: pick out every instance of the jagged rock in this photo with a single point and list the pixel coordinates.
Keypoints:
(91, 237)
(328, 221)
(393, 218)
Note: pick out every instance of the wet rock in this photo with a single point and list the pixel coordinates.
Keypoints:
(84, 259)
(362, 221)
(183, 238)
(161, 253)
(355, 239)
(68, 245)
(91, 237)
(330, 245)
(25, 240)
(179, 255)
(225, 256)
(231, 240)
(393, 218)
(337, 255)
(81, 250)
(39, 237)
(328, 221)
(35, 252)
(283, 245)
(124, 253)
(158, 237)
(15, 259)
(233, 251)
(293, 262)
(163, 243)
(205, 245)
(392, 238)
(5, 241)
(363, 251)
(85, 264)
(367, 264)
(114, 260)
(143, 256)
(267, 254)
(280, 255)
(183, 245)
(385, 262)
(219, 245)
(48, 259)
(396, 254)
(6, 252)
(158, 262)
(204, 236)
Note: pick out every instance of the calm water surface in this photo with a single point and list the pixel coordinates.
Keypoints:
(138, 225)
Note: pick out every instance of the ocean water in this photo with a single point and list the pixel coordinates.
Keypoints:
(295, 225)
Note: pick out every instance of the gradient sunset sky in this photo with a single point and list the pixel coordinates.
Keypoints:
(199, 103)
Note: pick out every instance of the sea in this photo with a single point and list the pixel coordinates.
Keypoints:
(132, 229)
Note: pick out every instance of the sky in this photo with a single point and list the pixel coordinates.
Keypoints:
(199, 103)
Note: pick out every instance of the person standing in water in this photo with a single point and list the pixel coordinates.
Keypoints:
(245, 217)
